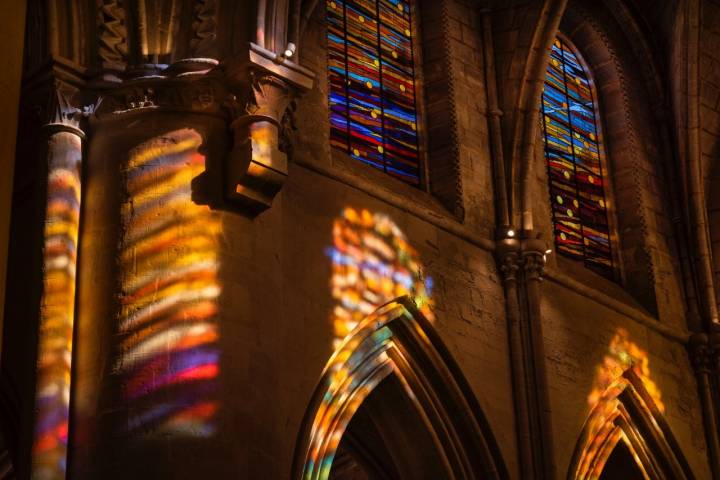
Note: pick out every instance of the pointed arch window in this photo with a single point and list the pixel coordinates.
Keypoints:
(373, 115)
(573, 152)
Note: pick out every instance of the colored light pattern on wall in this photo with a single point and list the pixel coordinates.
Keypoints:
(358, 365)
(168, 354)
(572, 151)
(62, 223)
(622, 354)
(372, 84)
(372, 264)
(602, 427)
(603, 433)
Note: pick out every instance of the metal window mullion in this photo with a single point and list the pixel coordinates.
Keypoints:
(347, 80)
(572, 150)
(602, 180)
(421, 173)
(547, 165)
(380, 80)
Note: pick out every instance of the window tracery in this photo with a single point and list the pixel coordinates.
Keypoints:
(573, 155)
(373, 114)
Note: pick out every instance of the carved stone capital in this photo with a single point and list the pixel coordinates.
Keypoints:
(533, 263)
(533, 256)
(265, 85)
(56, 94)
(509, 266)
(701, 353)
(64, 111)
(507, 253)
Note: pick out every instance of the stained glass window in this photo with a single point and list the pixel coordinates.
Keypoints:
(572, 151)
(372, 84)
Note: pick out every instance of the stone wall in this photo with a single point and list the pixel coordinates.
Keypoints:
(274, 302)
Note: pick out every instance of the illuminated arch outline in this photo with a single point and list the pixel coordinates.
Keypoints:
(398, 340)
(622, 354)
(626, 412)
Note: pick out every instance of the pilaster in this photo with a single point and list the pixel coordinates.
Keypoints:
(521, 261)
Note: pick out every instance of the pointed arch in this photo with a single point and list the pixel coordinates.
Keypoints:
(627, 416)
(397, 342)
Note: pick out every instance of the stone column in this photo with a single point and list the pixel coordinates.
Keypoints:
(704, 355)
(63, 139)
(509, 260)
(533, 262)
(521, 261)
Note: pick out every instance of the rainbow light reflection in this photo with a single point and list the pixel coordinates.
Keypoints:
(372, 264)
(358, 365)
(602, 426)
(623, 354)
(62, 223)
(169, 359)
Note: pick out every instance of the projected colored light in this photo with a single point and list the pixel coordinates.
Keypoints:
(359, 364)
(603, 425)
(169, 359)
(57, 313)
(372, 264)
(623, 354)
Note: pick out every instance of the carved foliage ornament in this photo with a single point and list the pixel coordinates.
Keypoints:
(266, 85)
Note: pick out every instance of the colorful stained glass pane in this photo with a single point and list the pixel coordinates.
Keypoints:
(372, 84)
(572, 151)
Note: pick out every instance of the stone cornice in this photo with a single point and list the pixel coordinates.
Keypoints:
(253, 92)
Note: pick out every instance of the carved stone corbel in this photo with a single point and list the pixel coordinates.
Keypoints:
(265, 84)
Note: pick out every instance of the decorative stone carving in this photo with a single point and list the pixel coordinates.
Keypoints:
(257, 167)
(112, 34)
(189, 85)
(63, 108)
(533, 264)
(701, 353)
(265, 86)
(507, 253)
(204, 29)
(57, 95)
(533, 257)
(509, 266)
(514, 254)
